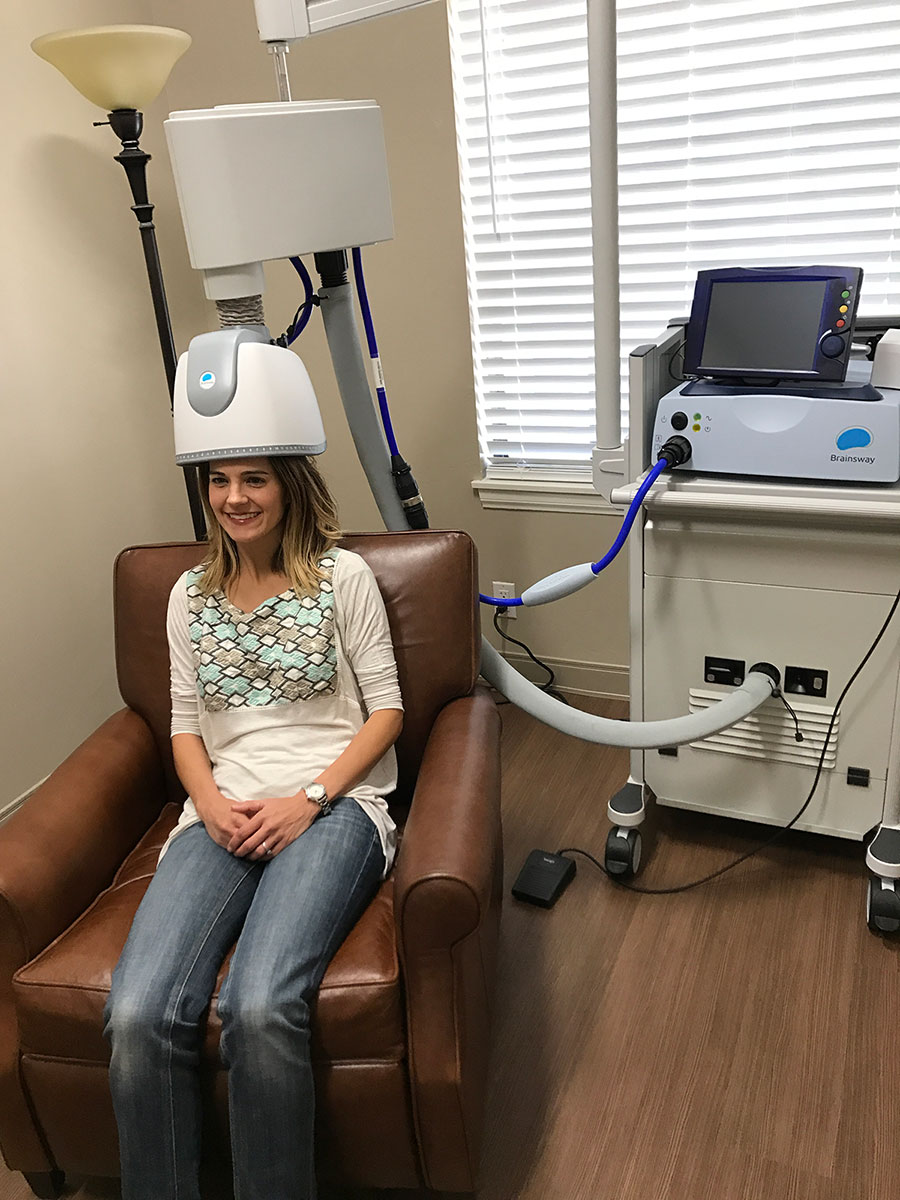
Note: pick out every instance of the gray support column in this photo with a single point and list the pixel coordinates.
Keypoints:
(605, 216)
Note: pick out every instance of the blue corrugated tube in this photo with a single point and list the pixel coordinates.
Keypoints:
(633, 509)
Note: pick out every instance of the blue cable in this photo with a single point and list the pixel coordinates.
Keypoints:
(373, 350)
(517, 603)
(633, 510)
(617, 545)
(297, 264)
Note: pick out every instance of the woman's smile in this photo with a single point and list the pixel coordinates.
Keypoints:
(250, 485)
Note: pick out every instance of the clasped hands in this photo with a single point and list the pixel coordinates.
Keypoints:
(258, 829)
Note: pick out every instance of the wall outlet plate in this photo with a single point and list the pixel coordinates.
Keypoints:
(505, 591)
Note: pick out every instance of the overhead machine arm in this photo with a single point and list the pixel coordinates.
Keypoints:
(290, 193)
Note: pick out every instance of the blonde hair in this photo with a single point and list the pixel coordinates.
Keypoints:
(310, 529)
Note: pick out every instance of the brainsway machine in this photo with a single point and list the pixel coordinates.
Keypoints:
(761, 493)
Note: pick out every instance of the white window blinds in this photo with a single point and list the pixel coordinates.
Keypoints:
(521, 94)
(751, 133)
(755, 133)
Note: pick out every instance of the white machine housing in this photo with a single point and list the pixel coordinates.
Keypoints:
(789, 435)
(263, 181)
(290, 20)
(799, 573)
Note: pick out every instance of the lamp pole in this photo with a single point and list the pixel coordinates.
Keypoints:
(127, 124)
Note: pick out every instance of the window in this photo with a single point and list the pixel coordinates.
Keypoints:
(755, 134)
(521, 93)
(751, 133)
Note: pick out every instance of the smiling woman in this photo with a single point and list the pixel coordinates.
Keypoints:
(285, 709)
(297, 523)
(247, 500)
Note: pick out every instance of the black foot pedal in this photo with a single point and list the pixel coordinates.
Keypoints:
(543, 878)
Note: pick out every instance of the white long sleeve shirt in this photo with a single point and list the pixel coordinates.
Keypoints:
(277, 694)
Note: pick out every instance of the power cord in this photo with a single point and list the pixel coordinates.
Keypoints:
(545, 687)
(686, 887)
(297, 325)
(679, 378)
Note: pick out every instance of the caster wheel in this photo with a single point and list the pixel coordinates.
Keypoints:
(882, 908)
(623, 853)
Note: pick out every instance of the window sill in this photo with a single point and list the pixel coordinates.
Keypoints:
(543, 495)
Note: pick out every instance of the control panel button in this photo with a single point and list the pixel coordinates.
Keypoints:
(845, 294)
(840, 324)
(832, 346)
(679, 420)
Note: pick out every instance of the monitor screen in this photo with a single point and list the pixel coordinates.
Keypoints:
(763, 325)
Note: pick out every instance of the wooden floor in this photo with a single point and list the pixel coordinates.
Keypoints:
(737, 1042)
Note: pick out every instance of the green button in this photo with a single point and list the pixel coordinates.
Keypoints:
(845, 294)
(696, 416)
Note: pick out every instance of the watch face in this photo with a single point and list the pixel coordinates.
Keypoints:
(316, 792)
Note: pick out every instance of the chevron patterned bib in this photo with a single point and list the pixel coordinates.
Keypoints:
(281, 652)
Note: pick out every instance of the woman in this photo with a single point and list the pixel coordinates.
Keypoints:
(285, 708)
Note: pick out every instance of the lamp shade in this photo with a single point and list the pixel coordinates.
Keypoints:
(115, 66)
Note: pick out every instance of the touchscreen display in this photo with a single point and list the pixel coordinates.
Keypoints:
(763, 325)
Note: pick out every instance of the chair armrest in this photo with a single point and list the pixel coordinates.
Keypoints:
(65, 844)
(445, 870)
(57, 853)
(447, 895)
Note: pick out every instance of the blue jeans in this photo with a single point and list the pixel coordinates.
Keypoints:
(291, 914)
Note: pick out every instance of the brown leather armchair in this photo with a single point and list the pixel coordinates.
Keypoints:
(400, 1030)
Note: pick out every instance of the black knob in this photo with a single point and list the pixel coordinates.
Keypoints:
(832, 346)
(680, 419)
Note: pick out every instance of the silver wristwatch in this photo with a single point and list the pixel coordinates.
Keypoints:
(316, 792)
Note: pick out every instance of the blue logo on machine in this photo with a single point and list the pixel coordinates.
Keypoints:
(855, 438)
(207, 379)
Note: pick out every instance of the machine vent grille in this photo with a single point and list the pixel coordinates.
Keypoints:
(768, 733)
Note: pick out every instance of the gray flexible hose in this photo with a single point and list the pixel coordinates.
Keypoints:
(346, 354)
(634, 735)
(241, 310)
(342, 333)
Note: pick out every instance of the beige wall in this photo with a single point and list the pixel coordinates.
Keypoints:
(87, 464)
(84, 408)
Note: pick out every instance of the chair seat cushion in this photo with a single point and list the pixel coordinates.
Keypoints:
(60, 994)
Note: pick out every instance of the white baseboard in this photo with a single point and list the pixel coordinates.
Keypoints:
(606, 680)
(8, 809)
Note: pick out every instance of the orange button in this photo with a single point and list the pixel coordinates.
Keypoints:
(840, 324)
(843, 308)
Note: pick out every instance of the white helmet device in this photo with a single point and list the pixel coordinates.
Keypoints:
(238, 396)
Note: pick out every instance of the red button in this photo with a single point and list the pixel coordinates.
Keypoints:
(839, 324)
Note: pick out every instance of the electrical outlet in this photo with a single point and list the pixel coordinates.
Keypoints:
(505, 591)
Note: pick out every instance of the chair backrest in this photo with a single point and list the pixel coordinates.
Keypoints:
(429, 583)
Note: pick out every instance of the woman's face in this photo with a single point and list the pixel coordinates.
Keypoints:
(247, 498)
